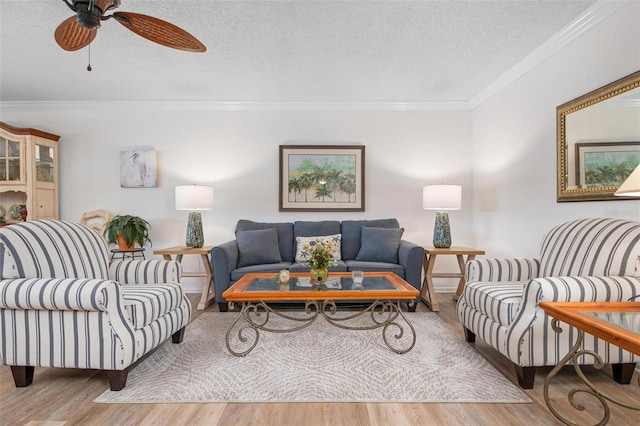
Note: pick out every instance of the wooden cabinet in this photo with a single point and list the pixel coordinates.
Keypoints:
(28, 173)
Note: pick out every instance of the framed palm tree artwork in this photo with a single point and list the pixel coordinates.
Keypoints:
(603, 164)
(322, 178)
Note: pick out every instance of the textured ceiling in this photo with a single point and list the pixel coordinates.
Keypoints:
(372, 51)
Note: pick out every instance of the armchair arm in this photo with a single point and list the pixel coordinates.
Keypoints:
(145, 271)
(55, 294)
(512, 270)
(528, 339)
(411, 257)
(224, 259)
(586, 289)
(68, 322)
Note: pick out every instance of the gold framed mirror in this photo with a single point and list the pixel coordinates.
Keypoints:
(598, 141)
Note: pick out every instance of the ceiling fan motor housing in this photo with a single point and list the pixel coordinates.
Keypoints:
(88, 14)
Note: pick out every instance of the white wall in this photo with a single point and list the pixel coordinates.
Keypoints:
(514, 140)
(237, 153)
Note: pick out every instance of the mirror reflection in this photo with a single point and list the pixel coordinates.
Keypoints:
(599, 141)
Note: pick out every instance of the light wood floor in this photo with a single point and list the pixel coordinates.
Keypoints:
(65, 397)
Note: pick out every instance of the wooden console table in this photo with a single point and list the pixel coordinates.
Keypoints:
(430, 253)
(208, 287)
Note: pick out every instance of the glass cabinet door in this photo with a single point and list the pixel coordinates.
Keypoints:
(44, 163)
(10, 161)
(3, 159)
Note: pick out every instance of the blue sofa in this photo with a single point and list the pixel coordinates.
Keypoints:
(367, 245)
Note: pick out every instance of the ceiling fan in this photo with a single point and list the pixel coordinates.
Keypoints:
(79, 31)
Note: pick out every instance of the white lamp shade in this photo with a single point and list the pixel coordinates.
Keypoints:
(194, 197)
(442, 197)
(631, 186)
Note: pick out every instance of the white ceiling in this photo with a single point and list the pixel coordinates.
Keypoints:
(273, 51)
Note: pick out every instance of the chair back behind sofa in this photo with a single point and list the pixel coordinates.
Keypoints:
(591, 247)
(52, 248)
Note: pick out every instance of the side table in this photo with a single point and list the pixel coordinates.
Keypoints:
(124, 254)
(430, 253)
(208, 292)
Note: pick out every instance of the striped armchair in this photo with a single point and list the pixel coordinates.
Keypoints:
(587, 260)
(64, 304)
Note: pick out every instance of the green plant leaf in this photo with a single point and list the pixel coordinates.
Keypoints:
(130, 228)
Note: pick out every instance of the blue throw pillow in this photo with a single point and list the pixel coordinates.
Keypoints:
(258, 247)
(379, 244)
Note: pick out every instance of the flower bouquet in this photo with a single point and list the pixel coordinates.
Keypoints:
(320, 259)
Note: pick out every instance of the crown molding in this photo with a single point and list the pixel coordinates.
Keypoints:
(592, 16)
(238, 106)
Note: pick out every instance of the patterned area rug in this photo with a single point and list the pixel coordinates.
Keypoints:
(321, 363)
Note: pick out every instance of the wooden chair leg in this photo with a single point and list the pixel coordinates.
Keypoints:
(117, 379)
(22, 375)
(623, 372)
(469, 335)
(178, 335)
(526, 376)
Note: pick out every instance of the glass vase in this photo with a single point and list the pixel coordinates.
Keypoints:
(320, 275)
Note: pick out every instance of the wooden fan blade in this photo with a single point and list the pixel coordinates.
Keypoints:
(71, 36)
(159, 31)
(106, 5)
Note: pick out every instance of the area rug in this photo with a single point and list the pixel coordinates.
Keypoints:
(321, 363)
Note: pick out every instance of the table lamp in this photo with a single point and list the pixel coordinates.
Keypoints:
(194, 198)
(442, 198)
(631, 186)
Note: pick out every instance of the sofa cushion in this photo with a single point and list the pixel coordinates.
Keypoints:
(340, 266)
(351, 230)
(498, 301)
(379, 244)
(258, 247)
(304, 245)
(359, 265)
(145, 303)
(285, 235)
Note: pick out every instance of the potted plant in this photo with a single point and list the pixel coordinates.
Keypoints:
(126, 231)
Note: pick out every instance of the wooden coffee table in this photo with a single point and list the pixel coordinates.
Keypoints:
(615, 322)
(382, 291)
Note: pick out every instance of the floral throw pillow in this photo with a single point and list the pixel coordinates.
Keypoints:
(305, 244)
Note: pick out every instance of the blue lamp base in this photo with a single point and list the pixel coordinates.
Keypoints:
(442, 231)
(195, 236)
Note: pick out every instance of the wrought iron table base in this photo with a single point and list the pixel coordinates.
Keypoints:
(386, 315)
(602, 397)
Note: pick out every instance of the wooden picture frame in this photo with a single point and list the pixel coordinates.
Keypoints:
(604, 164)
(322, 178)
